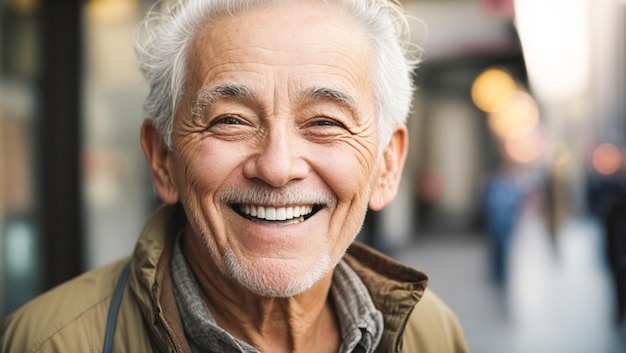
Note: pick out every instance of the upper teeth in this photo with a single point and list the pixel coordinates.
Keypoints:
(276, 213)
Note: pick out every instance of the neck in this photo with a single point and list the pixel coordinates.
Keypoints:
(303, 323)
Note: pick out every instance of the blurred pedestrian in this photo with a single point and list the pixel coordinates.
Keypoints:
(502, 200)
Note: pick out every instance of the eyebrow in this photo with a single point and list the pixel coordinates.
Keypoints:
(208, 96)
(338, 96)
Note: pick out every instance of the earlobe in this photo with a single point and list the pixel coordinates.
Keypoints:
(389, 172)
(158, 159)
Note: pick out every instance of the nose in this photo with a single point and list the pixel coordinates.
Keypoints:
(279, 159)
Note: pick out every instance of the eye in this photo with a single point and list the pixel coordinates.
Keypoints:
(230, 127)
(227, 120)
(323, 129)
(321, 122)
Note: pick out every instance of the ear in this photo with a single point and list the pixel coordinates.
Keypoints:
(389, 171)
(158, 156)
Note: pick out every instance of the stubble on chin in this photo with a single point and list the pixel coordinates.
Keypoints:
(275, 278)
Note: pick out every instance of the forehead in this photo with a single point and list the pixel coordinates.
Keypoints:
(302, 42)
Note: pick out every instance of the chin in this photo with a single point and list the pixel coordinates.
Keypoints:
(277, 278)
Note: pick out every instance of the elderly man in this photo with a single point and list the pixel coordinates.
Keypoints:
(273, 125)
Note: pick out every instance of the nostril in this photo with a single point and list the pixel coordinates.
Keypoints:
(274, 169)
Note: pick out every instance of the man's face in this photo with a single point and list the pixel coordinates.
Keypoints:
(275, 144)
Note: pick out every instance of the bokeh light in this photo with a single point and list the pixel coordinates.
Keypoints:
(527, 148)
(110, 11)
(606, 159)
(561, 156)
(517, 116)
(491, 88)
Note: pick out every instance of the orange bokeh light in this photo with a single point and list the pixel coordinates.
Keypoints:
(516, 116)
(491, 88)
(606, 159)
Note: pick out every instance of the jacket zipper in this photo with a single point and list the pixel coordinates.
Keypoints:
(168, 330)
(399, 342)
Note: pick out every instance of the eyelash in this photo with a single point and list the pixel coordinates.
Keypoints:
(326, 122)
(228, 120)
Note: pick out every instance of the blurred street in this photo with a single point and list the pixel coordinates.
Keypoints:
(557, 299)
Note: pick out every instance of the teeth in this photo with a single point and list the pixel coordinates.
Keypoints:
(281, 214)
(276, 213)
(270, 214)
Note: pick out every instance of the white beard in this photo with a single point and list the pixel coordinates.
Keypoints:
(272, 280)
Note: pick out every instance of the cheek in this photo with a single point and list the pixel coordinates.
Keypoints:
(347, 169)
(206, 165)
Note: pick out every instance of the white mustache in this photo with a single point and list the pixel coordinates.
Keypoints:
(256, 195)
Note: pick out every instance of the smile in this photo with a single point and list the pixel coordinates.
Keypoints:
(277, 215)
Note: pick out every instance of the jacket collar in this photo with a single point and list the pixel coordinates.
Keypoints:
(151, 282)
(395, 289)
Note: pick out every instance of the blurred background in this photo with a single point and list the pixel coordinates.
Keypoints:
(513, 199)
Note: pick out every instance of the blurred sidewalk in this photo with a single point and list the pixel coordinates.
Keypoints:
(559, 298)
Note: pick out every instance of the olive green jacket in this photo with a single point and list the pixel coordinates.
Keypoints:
(71, 317)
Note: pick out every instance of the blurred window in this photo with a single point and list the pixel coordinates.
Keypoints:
(19, 266)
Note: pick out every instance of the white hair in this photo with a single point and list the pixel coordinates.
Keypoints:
(163, 45)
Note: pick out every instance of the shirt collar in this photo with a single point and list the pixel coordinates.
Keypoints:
(360, 322)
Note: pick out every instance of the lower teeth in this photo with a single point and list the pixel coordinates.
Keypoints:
(285, 222)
